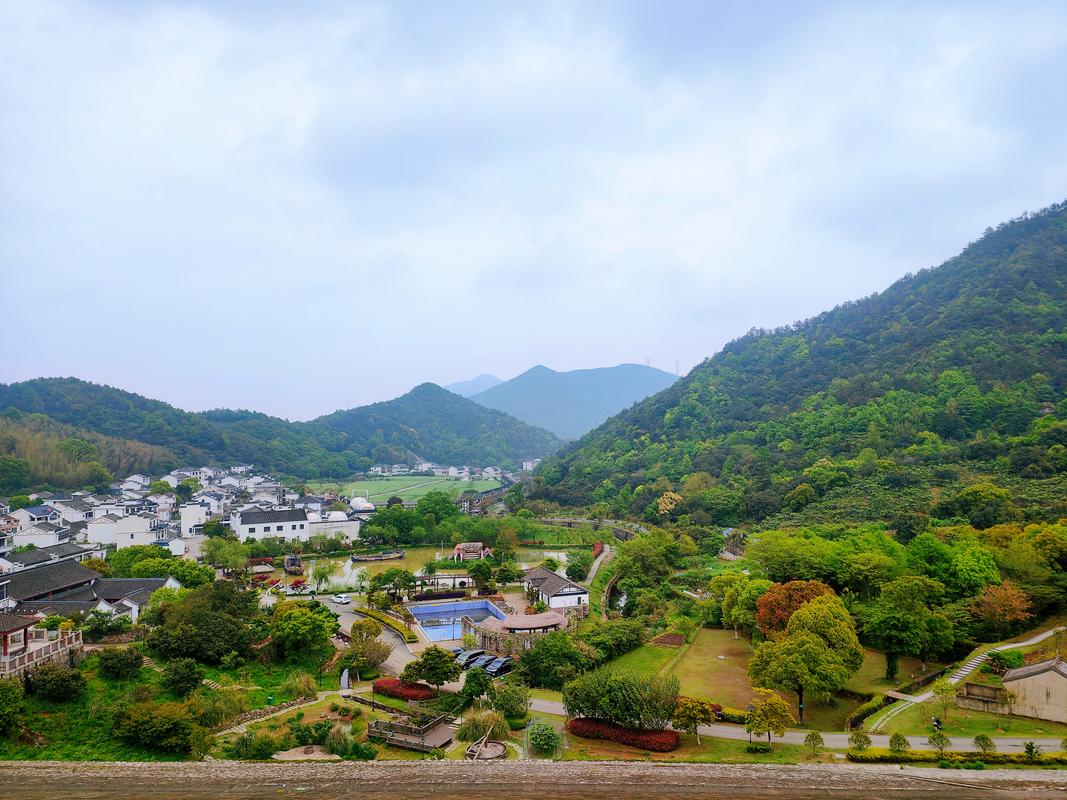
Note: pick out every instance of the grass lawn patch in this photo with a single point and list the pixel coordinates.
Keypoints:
(406, 487)
(645, 660)
(915, 721)
(265, 680)
(716, 751)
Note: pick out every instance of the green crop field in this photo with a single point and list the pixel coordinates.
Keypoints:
(406, 487)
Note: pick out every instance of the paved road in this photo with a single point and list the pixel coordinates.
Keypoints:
(834, 741)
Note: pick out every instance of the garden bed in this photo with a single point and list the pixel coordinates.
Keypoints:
(656, 741)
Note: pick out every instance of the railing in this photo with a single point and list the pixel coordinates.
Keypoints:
(17, 664)
(408, 730)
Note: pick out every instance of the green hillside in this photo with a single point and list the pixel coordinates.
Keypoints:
(427, 422)
(572, 403)
(894, 402)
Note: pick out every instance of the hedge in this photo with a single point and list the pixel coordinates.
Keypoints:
(402, 690)
(879, 755)
(734, 715)
(390, 622)
(656, 741)
(856, 718)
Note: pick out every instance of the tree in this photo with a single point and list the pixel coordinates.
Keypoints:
(939, 741)
(801, 662)
(227, 553)
(55, 683)
(945, 693)
(985, 505)
(909, 524)
(510, 699)
(300, 627)
(777, 604)
(160, 487)
(769, 714)
(323, 571)
(859, 741)
(435, 666)
(507, 543)
(475, 683)
(552, 661)
(814, 742)
(122, 561)
(215, 527)
(181, 676)
(901, 622)
(692, 712)
(186, 489)
(437, 503)
(803, 495)
(899, 744)
(739, 604)
(11, 703)
(507, 573)
(826, 617)
(985, 745)
(544, 738)
(14, 473)
(481, 572)
(20, 501)
(120, 663)
(1001, 607)
(188, 573)
(1032, 751)
(98, 565)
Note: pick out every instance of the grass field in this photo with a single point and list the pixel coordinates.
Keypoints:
(408, 487)
(716, 667)
(915, 720)
(871, 675)
(648, 659)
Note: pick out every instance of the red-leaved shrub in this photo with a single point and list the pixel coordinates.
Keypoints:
(598, 548)
(657, 741)
(402, 690)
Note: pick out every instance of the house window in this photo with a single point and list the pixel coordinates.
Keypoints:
(294, 527)
(131, 535)
(301, 526)
(251, 530)
(279, 527)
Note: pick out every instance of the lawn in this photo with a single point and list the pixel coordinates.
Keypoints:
(871, 675)
(406, 487)
(716, 667)
(915, 721)
(648, 659)
(81, 729)
(715, 751)
(263, 680)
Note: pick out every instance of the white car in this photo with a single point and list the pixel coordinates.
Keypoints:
(341, 599)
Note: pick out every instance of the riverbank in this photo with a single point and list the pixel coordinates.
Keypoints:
(23, 780)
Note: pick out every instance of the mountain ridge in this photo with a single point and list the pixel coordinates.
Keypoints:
(571, 403)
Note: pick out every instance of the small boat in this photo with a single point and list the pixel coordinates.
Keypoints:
(388, 555)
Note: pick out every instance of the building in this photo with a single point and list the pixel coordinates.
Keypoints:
(291, 524)
(24, 647)
(68, 551)
(514, 633)
(40, 534)
(43, 583)
(1040, 689)
(122, 532)
(470, 551)
(554, 590)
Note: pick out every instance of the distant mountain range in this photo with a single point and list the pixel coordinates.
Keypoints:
(426, 423)
(569, 404)
(474, 385)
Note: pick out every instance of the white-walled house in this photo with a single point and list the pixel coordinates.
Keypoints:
(165, 504)
(125, 531)
(335, 523)
(41, 534)
(193, 517)
(554, 590)
(31, 515)
(73, 510)
(291, 524)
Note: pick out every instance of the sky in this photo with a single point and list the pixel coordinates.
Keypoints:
(300, 207)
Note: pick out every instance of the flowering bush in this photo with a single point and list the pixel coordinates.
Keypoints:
(258, 562)
(656, 741)
(298, 582)
(598, 548)
(403, 690)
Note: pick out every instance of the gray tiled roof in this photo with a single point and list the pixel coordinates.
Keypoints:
(1057, 665)
(49, 579)
(267, 517)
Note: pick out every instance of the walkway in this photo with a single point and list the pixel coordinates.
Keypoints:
(970, 666)
(833, 741)
(600, 559)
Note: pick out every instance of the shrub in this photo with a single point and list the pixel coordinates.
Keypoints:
(875, 755)
(213, 708)
(299, 685)
(733, 715)
(1032, 751)
(859, 741)
(656, 741)
(165, 727)
(120, 663)
(50, 623)
(984, 745)
(395, 624)
(512, 700)
(55, 683)
(181, 676)
(11, 694)
(475, 725)
(361, 751)
(856, 718)
(814, 742)
(338, 742)
(403, 690)
(757, 747)
(544, 738)
(1002, 660)
(898, 744)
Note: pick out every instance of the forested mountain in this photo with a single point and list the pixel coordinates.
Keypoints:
(894, 402)
(572, 403)
(474, 385)
(427, 422)
(38, 451)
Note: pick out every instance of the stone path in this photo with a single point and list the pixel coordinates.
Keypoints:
(906, 701)
(600, 559)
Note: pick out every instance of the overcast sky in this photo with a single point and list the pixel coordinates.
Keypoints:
(308, 206)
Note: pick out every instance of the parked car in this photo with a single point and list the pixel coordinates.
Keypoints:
(341, 599)
(455, 650)
(499, 666)
(465, 658)
(483, 661)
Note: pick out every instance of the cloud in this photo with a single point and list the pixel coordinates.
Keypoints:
(299, 208)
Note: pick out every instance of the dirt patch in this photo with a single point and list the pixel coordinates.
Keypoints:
(669, 640)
